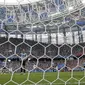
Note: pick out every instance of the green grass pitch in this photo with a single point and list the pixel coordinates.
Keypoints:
(43, 78)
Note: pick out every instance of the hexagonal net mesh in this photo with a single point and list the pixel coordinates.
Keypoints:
(42, 43)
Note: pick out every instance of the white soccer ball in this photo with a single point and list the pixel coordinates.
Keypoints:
(9, 60)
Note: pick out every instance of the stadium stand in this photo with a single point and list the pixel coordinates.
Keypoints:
(42, 39)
